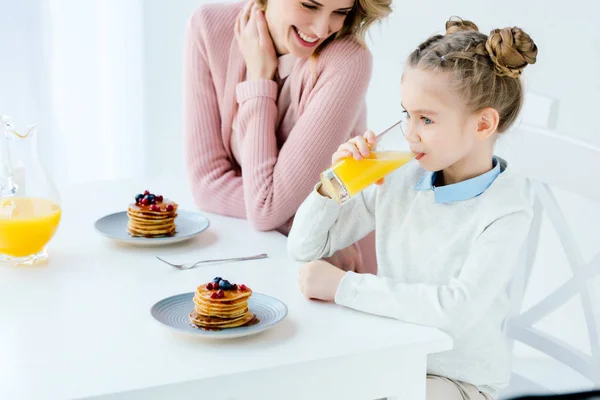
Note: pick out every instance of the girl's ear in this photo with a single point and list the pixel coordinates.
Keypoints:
(487, 123)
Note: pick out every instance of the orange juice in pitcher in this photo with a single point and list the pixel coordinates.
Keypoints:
(349, 176)
(27, 225)
(29, 204)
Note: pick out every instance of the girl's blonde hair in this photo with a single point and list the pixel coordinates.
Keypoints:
(363, 14)
(486, 70)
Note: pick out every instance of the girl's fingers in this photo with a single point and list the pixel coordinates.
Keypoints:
(370, 137)
(351, 148)
(338, 155)
(362, 145)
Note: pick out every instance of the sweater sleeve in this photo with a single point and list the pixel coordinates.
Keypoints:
(322, 226)
(455, 306)
(277, 181)
(216, 185)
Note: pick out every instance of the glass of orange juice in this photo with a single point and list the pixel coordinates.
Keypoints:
(29, 203)
(349, 176)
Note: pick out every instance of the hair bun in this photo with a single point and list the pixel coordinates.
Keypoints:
(511, 50)
(456, 24)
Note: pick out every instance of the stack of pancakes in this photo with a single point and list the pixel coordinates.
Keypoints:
(152, 220)
(216, 309)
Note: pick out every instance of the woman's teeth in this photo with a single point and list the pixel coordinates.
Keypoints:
(306, 38)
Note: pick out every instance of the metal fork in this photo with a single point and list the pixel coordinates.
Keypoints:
(192, 265)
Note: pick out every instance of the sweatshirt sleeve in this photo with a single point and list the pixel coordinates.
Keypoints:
(277, 181)
(322, 226)
(454, 306)
(216, 185)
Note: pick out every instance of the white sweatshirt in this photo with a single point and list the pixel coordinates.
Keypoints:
(443, 265)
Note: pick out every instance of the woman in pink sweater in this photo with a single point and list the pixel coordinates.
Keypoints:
(270, 93)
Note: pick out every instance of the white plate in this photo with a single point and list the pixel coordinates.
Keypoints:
(174, 312)
(188, 224)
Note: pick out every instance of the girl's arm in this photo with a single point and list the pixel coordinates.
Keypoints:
(322, 226)
(454, 306)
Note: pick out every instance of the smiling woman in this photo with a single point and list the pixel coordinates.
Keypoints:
(271, 90)
(300, 27)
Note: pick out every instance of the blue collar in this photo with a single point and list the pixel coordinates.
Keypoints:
(462, 190)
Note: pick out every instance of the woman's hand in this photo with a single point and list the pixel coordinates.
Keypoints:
(255, 43)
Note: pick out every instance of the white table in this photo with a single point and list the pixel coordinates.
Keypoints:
(80, 327)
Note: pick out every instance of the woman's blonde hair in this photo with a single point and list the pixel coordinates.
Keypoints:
(363, 14)
(485, 70)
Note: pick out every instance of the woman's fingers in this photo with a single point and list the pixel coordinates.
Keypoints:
(251, 25)
(262, 29)
(245, 15)
(236, 30)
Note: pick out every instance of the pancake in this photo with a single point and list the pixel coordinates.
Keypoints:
(151, 232)
(151, 216)
(220, 323)
(221, 305)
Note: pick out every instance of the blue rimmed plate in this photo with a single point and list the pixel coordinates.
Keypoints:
(188, 224)
(174, 312)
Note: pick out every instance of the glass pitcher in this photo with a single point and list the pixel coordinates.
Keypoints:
(349, 176)
(29, 202)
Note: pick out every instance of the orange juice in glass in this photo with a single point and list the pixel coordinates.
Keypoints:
(29, 205)
(349, 176)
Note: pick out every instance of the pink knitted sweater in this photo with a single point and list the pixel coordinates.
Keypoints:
(279, 166)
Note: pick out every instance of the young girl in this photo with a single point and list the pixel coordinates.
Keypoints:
(449, 225)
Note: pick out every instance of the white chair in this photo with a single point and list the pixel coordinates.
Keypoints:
(550, 161)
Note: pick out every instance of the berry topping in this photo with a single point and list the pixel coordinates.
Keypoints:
(154, 207)
(217, 279)
(139, 198)
(234, 286)
(170, 207)
(145, 201)
(159, 198)
(209, 286)
(243, 287)
(146, 193)
(220, 293)
(224, 284)
(214, 295)
(151, 198)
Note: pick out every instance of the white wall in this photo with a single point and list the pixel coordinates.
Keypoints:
(75, 69)
(21, 55)
(94, 80)
(164, 27)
